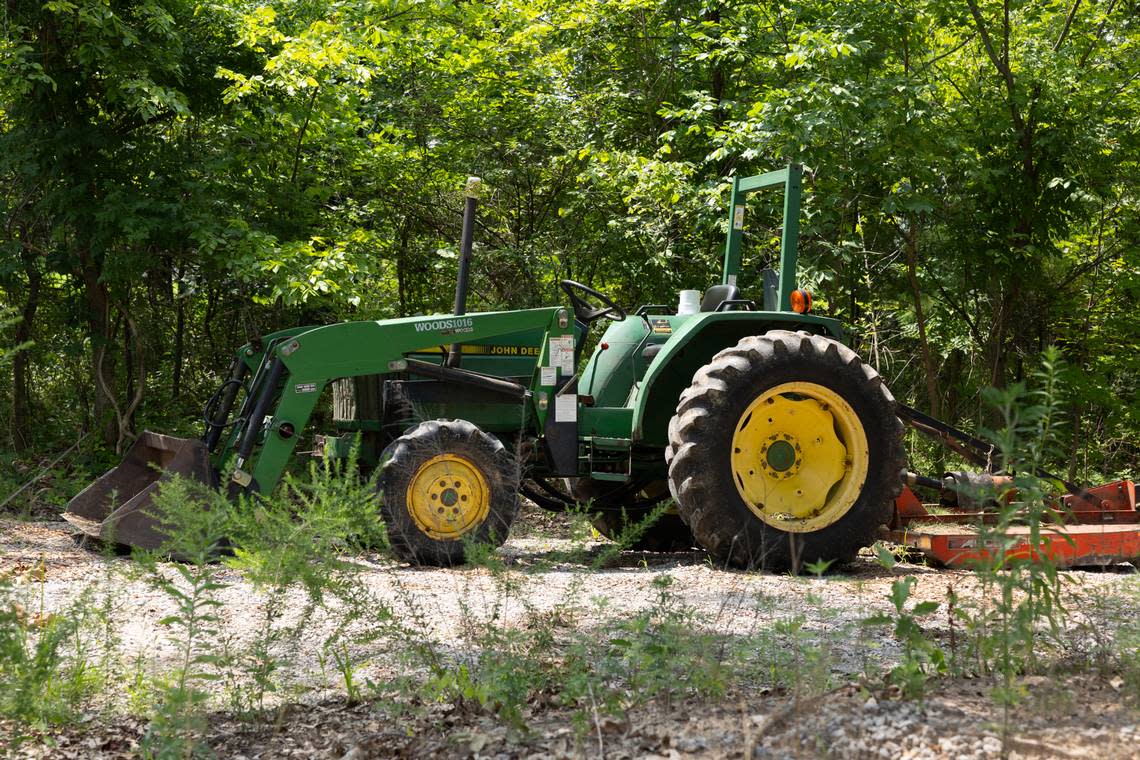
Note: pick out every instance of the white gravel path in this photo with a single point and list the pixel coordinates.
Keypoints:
(443, 605)
(447, 602)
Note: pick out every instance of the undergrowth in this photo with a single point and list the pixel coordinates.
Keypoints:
(316, 554)
(48, 662)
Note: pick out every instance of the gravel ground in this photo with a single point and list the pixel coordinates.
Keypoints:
(1082, 716)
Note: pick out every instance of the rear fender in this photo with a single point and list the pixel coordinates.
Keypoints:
(692, 346)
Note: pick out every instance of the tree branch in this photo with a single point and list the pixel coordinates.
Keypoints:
(951, 51)
(1001, 63)
(952, 302)
(1096, 37)
(301, 135)
(998, 62)
(1068, 25)
(1005, 34)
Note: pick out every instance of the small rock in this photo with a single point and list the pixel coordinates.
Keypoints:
(611, 725)
(692, 744)
(871, 703)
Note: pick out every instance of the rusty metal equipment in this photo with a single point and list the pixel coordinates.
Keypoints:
(114, 507)
(1106, 534)
(1086, 527)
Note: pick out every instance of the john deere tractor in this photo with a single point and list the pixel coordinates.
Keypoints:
(776, 443)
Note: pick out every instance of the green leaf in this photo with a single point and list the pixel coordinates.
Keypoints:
(900, 591)
(877, 620)
(884, 556)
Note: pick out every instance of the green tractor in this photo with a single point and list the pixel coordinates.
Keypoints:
(776, 443)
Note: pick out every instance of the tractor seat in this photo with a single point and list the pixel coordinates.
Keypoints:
(718, 294)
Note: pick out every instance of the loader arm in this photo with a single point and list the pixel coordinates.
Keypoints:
(248, 362)
(297, 369)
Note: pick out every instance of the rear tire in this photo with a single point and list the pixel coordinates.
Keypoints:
(785, 450)
(445, 485)
(399, 414)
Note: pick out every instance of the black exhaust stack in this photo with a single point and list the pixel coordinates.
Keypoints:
(474, 185)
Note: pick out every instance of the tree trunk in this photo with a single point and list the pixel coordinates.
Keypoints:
(101, 331)
(933, 397)
(952, 373)
(850, 270)
(129, 338)
(179, 331)
(22, 361)
(208, 319)
(401, 266)
(995, 350)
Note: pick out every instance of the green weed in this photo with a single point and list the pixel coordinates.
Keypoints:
(345, 665)
(921, 658)
(307, 535)
(45, 671)
(658, 653)
(141, 690)
(1020, 607)
(195, 521)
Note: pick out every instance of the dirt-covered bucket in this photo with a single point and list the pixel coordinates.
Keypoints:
(117, 507)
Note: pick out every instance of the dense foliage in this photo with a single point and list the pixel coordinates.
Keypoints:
(179, 176)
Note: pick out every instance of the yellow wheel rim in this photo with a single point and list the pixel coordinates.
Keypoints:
(448, 496)
(799, 457)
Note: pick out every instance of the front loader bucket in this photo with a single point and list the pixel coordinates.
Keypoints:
(115, 508)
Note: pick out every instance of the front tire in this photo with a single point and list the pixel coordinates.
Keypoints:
(447, 484)
(785, 450)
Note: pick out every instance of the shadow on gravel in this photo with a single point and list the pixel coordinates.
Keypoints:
(595, 557)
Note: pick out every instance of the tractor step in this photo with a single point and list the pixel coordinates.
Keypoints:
(609, 458)
(615, 477)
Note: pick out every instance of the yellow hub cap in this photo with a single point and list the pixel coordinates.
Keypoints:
(799, 457)
(448, 496)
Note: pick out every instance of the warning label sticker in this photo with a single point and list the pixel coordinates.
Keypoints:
(562, 353)
(661, 326)
(566, 408)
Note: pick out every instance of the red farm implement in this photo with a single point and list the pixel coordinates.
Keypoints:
(1086, 527)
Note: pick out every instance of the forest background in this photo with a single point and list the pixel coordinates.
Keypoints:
(177, 177)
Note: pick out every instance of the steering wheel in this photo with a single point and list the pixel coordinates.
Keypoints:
(584, 310)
